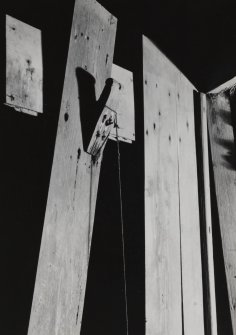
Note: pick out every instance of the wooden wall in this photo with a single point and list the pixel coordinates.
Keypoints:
(174, 300)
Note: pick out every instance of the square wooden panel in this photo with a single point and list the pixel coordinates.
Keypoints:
(24, 67)
(125, 111)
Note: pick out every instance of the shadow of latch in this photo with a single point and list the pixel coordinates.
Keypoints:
(106, 121)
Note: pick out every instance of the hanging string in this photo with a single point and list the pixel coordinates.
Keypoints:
(122, 228)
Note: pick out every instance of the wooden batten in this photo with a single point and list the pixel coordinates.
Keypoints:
(24, 67)
(64, 255)
(174, 297)
(222, 144)
(208, 220)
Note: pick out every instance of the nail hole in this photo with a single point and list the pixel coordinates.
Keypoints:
(66, 117)
(146, 132)
(154, 126)
(11, 97)
(107, 56)
(78, 154)
(169, 138)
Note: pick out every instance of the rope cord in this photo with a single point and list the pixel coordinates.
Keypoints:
(122, 228)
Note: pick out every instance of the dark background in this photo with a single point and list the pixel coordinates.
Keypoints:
(200, 38)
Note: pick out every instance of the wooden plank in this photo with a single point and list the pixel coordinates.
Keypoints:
(174, 226)
(125, 111)
(223, 159)
(211, 298)
(189, 211)
(162, 234)
(24, 67)
(62, 268)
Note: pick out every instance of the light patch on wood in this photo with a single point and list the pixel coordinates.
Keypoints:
(64, 255)
(24, 67)
(224, 168)
(172, 230)
(125, 110)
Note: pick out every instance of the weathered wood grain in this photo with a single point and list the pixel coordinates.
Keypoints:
(62, 268)
(24, 67)
(174, 299)
(189, 211)
(224, 167)
(162, 233)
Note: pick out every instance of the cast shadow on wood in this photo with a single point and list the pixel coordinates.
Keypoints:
(226, 117)
(229, 158)
(90, 108)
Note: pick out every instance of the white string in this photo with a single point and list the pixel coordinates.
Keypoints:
(122, 228)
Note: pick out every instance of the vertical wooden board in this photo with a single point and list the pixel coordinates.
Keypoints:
(189, 211)
(223, 159)
(125, 111)
(162, 234)
(24, 67)
(62, 268)
(207, 218)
